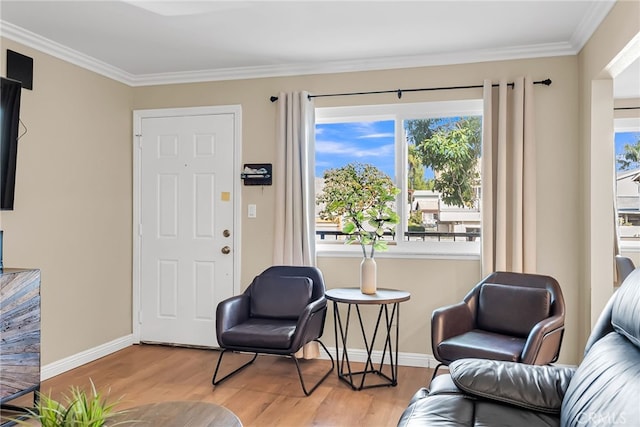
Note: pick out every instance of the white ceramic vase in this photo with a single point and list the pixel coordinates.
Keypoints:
(368, 279)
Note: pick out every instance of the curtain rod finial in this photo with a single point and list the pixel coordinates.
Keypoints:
(546, 82)
(273, 98)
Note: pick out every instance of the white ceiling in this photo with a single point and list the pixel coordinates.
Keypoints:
(151, 42)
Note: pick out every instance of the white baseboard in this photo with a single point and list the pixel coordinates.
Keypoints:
(56, 368)
(418, 360)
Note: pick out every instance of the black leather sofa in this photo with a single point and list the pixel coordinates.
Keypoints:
(604, 390)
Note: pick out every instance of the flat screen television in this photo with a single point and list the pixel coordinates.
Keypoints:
(9, 122)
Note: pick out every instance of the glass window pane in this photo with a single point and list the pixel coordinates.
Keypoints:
(627, 154)
(338, 144)
(443, 178)
(431, 151)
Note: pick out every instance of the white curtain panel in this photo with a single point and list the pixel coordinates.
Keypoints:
(293, 175)
(508, 178)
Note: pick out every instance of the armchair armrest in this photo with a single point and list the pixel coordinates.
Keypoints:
(311, 308)
(231, 312)
(538, 388)
(534, 352)
(307, 328)
(450, 321)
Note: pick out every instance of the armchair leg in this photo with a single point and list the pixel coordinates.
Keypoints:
(435, 371)
(304, 389)
(213, 380)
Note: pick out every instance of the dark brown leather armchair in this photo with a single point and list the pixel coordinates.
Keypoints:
(283, 309)
(515, 317)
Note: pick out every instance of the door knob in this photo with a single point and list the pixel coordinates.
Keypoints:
(226, 233)
(225, 250)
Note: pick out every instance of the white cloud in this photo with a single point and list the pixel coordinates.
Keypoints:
(332, 147)
(325, 164)
(377, 135)
(355, 151)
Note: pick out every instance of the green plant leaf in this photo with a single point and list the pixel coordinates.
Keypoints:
(349, 228)
(78, 409)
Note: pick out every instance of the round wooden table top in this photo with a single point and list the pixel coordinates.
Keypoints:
(355, 296)
(178, 414)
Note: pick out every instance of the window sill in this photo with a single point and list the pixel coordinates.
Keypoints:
(628, 246)
(440, 250)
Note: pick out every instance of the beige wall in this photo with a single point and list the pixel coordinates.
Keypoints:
(72, 216)
(615, 43)
(441, 281)
(79, 141)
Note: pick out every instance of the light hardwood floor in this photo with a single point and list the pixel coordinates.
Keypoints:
(267, 393)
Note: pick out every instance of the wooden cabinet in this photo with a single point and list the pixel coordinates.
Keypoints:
(19, 333)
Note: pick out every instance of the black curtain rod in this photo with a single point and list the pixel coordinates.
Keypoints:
(546, 82)
(627, 108)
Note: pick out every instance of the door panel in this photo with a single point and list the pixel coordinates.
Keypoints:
(186, 180)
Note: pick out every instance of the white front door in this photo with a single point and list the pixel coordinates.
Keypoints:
(186, 236)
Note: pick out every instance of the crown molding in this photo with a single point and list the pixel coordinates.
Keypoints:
(35, 41)
(65, 53)
(372, 64)
(591, 20)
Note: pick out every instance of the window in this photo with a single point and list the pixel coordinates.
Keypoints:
(627, 157)
(439, 203)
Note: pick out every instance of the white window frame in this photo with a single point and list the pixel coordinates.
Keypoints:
(400, 113)
(630, 124)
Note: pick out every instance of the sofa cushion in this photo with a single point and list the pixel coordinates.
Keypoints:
(482, 344)
(605, 389)
(280, 297)
(625, 313)
(456, 409)
(538, 388)
(512, 310)
(496, 414)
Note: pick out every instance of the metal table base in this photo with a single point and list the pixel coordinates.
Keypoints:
(388, 313)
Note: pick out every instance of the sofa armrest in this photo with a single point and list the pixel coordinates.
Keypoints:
(538, 388)
(419, 395)
(443, 384)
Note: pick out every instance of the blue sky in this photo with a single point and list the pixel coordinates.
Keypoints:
(366, 142)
